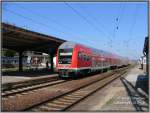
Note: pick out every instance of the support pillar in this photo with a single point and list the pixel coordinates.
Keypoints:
(51, 61)
(147, 71)
(147, 64)
(20, 61)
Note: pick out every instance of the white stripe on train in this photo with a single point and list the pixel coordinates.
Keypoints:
(92, 68)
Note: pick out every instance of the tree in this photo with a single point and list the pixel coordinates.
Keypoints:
(8, 53)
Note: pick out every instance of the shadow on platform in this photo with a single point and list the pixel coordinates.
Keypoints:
(139, 100)
(29, 73)
(142, 82)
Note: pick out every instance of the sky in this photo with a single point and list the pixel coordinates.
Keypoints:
(116, 27)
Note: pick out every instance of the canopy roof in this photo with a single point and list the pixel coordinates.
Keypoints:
(20, 39)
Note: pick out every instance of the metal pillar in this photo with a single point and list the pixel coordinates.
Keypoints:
(147, 64)
(51, 61)
(142, 63)
(20, 61)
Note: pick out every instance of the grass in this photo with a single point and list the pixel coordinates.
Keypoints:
(109, 102)
(13, 69)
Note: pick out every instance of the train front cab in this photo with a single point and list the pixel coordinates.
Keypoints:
(64, 62)
(73, 62)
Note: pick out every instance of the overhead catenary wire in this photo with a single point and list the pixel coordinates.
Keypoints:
(117, 21)
(85, 19)
(58, 23)
(37, 22)
(90, 15)
(51, 19)
(104, 29)
(32, 20)
(133, 22)
(131, 31)
(122, 7)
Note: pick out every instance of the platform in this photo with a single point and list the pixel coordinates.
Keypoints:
(12, 79)
(134, 74)
(24, 76)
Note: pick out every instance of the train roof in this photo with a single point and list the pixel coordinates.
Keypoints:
(69, 44)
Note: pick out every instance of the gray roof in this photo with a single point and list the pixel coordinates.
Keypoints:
(67, 45)
(95, 51)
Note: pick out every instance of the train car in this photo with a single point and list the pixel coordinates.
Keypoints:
(74, 59)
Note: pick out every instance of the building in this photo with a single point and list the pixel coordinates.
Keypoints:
(31, 59)
(145, 52)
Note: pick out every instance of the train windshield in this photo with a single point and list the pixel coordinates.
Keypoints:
(65, 56)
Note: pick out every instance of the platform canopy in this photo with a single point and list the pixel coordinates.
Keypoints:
(20, 39)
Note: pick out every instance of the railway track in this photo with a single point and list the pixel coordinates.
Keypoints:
(30, 87)
(42, 94)
(26, 83)
(67, 100)
(19, 88)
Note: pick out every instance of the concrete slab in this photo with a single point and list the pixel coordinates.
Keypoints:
(134, 73)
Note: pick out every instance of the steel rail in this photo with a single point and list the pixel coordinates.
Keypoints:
(35, 107)
(29, 88)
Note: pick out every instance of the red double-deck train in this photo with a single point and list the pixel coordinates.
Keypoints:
(74, 59)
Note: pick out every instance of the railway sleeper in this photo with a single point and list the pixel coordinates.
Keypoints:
(51, 104)
(65, 100)
(76, 96)
(47, 108)
(71, 97)
(60, 102)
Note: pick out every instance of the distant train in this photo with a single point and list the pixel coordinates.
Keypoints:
(74, 59)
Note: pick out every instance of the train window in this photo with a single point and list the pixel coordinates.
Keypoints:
(65, 50)
(3, 61)
(65, 56)
(79, 55)
(88, 58)
(85, 57)
(82, 56)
